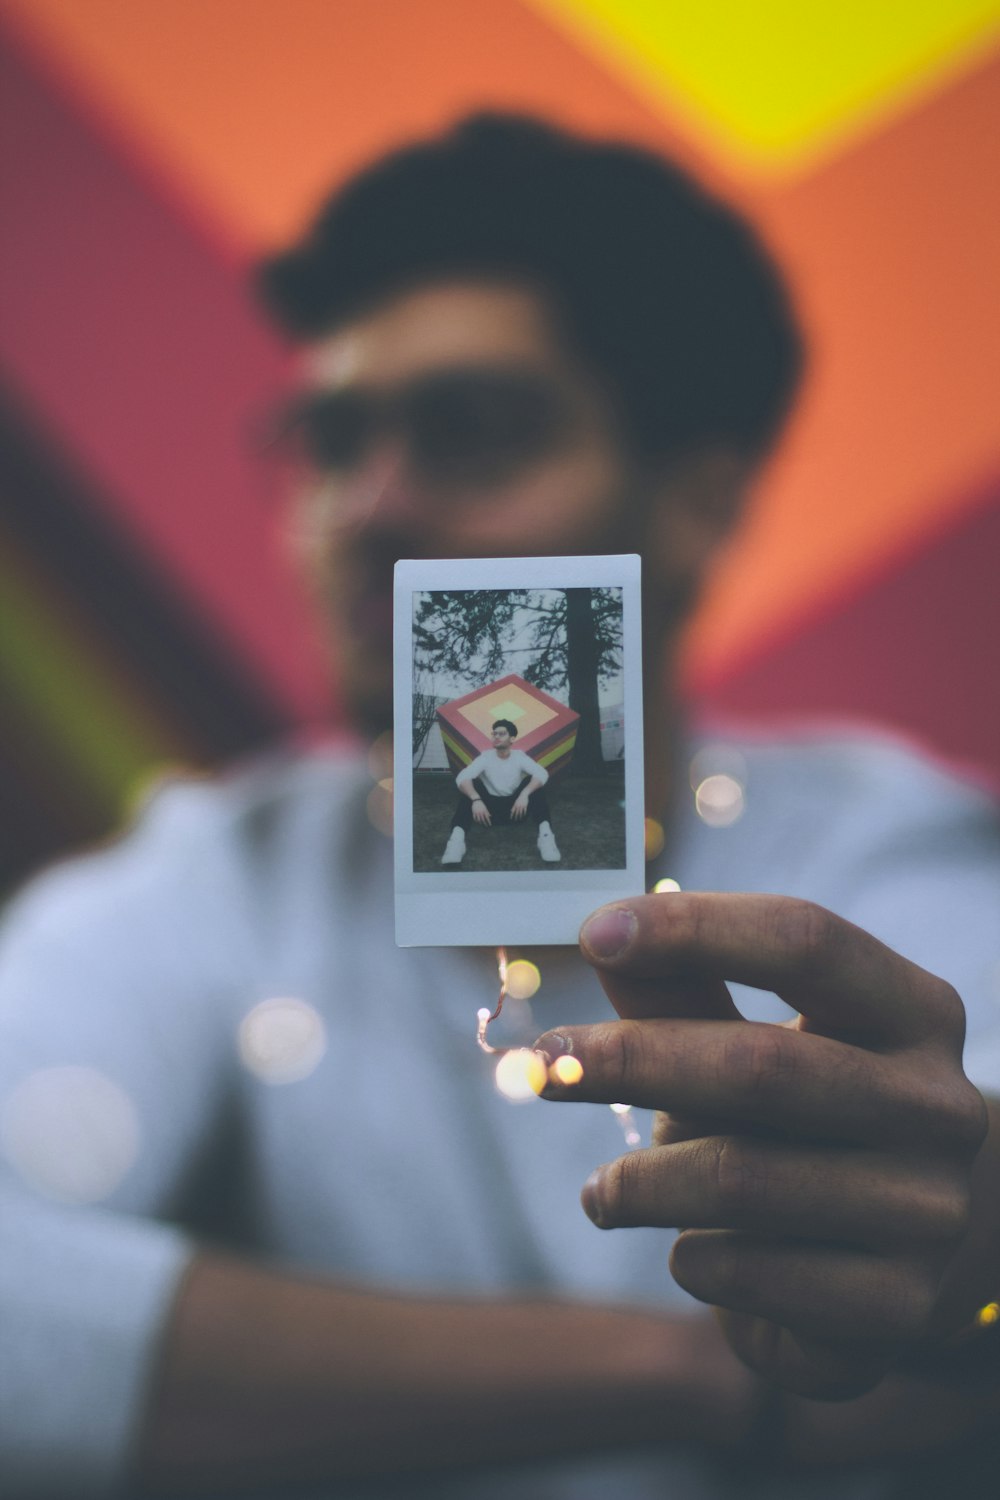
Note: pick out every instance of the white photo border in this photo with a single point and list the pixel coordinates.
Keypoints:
(494, 908)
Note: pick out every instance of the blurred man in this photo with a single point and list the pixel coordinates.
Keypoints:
(337, 1255)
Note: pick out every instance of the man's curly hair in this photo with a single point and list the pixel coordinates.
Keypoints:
(663, 291)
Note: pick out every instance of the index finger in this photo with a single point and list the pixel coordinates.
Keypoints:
(839, 977)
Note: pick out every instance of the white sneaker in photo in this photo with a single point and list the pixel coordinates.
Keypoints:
(547, 846)
(454, 849)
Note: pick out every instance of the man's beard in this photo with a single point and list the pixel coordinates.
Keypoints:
(370, 715)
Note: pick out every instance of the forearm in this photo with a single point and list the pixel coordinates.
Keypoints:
(469, 789)
(269, 1379)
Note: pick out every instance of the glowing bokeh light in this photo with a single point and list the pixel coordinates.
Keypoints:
(521, 1075)
(282, 1040)
(380, 806)
(654, 838)
(567, 1070)
(70, 1132)
(988, 1315)
(719, 800)
(523, 979)
(626, 1120)
(664, 887)
(380, 757)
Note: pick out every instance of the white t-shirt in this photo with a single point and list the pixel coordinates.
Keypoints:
(245, 928)
(502, 774)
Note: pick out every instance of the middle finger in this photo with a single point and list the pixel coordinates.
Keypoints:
(755, 1074)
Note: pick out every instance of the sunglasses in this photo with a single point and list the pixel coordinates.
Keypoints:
(460, 427)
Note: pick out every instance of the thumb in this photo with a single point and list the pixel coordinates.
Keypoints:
(611, 932)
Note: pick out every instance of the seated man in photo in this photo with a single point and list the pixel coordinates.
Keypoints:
(503, 784)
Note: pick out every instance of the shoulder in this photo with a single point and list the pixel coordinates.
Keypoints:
(867, 825)
(870, 796)
(189, 855)
(811, 789)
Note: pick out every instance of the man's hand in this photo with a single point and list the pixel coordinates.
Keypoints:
(481, 813)
(520, 806)
(819, 1170)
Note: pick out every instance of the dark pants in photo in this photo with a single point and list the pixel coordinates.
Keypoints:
(499, 807)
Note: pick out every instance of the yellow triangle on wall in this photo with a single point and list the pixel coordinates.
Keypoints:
(775, 84)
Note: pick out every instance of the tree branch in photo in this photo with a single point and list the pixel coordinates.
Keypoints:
(574, 645)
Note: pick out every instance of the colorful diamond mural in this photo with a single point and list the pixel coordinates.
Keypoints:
(546, 728)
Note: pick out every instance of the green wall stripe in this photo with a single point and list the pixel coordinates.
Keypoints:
(70, 698)
(460, 751)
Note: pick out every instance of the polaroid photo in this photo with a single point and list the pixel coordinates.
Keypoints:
(518, 782)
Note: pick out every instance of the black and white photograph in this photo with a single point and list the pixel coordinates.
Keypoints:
(519, 734)
(518, 729)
